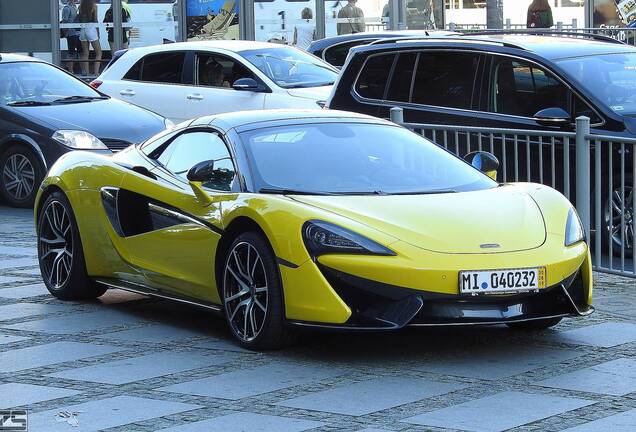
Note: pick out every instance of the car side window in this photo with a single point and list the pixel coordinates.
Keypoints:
(523, 89)
(337, 54)
(165, 68)
(374, 76)
(191, 148)
(445, 79)
(213, 70)
(400, 86)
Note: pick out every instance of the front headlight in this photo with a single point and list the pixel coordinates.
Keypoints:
(323, 237)
(574, 232)
(169, 124)
(79, 140)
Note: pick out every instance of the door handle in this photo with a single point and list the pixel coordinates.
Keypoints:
(195, 96)
(127, 92)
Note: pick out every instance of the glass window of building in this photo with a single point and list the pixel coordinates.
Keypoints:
(212, 19)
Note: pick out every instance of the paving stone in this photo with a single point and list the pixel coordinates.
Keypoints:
(143, 367)
(369, 396)
(222, 344)
(10, 279)
(616, 377)
(255, 381)
(12, 263)
(24, 291)
(51, 353)
(158, 333)
(78, 323)
(607, 334)
(622, 422)
(495, 361)
(106, 413)
(16, 394)
(247, 422)
(22, 310)
(5, 339)
(498, 412)
(18, 250)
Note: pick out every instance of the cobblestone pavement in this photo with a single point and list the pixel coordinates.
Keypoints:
(130, 363)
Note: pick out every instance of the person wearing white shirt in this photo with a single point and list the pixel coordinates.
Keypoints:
(305, 32)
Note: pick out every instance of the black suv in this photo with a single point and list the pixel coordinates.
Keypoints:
(516, 81)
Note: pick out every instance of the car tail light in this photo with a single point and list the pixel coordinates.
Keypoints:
(95, 84)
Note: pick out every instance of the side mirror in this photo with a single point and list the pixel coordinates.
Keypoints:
(485, 162)
(247, 84)
(201, 172)
(553, 117)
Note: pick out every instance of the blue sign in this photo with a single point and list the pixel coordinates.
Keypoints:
(205, 7)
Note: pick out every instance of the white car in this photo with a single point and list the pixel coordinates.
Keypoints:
(191, 79)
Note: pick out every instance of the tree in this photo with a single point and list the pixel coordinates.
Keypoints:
(494, 14)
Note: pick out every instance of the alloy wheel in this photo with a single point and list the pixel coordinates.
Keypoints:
(55, 244)
(614, 211)
(18, 177)
(245, 291)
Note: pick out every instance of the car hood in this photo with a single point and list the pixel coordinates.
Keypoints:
(503, 219)
(313, 93)
(106, 119)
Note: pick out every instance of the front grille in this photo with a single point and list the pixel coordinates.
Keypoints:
(115, 145)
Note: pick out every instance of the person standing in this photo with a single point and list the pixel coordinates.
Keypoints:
(108, 18)
(354, 19)
(305, 32)
(72, 35)
(89, 35)
(540, 14)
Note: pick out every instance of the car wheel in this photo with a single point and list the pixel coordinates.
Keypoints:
(60, 253)
(252, 294)
(21, 175)
(612, 220)
(540, 324)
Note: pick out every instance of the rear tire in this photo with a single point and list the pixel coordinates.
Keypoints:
(252, 294)
(20, 176)
(60, 252)
(540, 324)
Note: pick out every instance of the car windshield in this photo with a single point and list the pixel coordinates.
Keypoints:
(354, 158)
(35, 83)
(609, 77)
(291, 68)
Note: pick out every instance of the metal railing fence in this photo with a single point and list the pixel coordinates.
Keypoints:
(596, 173)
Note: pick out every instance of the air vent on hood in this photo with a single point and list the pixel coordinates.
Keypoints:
(115, 145)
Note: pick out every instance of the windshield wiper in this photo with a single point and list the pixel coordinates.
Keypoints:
(290, 192)
(79, 99)
(431, 192)
(28, 103)
(307, 85)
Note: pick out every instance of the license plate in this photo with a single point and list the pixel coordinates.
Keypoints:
(501, 281)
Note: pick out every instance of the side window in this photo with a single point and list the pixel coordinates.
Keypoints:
(523, 89)
(336, 55)
(163, 68)
(374, 75)
(191, 148)
(445, 79)
(581, 108)
(134, 73)
(219, 71)
(400, 87)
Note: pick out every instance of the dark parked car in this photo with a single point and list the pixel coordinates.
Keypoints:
(334, 49)
(515, 81)
(46, 112)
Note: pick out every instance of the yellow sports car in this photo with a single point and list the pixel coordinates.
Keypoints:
(326, 219)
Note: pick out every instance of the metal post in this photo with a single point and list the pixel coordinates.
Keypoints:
(452, 27)
(394, 14)
(397, 115)
(247, 29)
(583, 172)
(560, 26)
(508, 23)
(118, 31)
(575, 23)
(320, 19)
(56, 56)
(181, 21)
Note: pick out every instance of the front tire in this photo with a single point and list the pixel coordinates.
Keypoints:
(252, 294)
(540, 324)
(60, 252)
(20, 176)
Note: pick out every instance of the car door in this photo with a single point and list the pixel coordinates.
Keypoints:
(212, 92)
(172, 236)
(156, 82)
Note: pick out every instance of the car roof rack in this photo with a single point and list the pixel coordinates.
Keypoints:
(454, 38)
(546, 32)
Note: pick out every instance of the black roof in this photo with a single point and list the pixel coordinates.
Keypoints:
(327, 42)
(550, 47)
